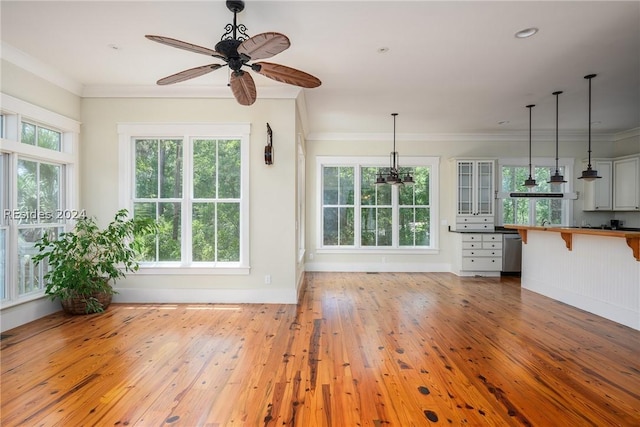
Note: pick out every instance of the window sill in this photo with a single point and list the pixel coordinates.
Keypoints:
(23, 300)
(372, 251)
(192, 271)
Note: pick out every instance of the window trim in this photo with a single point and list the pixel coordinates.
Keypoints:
(14, 112)
(432, 162)
(128, 132)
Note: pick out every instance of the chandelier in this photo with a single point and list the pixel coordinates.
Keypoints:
(393, 176)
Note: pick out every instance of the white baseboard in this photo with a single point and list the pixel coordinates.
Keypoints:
(371, 267)
(14, 316)
(206, 296)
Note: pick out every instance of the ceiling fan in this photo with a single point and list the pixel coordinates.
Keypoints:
(237, 49)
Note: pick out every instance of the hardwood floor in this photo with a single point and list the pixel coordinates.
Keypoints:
(388, 349)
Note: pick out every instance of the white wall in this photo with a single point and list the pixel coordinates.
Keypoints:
(272, 194)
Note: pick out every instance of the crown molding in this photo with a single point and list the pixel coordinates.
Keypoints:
(631, 133)
(459, 137)
(39, 68)
(183, 91)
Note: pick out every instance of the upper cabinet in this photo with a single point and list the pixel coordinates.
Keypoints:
(597, 193)
(618, 189)
(626, 184)
(475, 195)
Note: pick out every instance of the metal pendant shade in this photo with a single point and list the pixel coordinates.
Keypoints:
(557, 178)
(393, 176)
(589, 174)
(530, 182)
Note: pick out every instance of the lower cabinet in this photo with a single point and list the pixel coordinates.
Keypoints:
(481, 252)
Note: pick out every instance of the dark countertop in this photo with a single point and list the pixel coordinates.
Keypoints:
(500, 230)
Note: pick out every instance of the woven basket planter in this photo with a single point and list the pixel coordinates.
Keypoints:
(78, 305)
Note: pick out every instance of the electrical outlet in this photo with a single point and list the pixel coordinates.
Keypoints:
(267, 279)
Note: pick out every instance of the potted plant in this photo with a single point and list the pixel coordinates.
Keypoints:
(83, 263)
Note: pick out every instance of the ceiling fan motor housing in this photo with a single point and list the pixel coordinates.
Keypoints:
(229, 49)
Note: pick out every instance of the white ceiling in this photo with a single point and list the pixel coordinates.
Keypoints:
(451, 67)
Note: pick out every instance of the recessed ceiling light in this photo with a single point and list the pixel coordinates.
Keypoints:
(383, 49)
(527, 32)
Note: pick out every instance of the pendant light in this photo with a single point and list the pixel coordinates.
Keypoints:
(393, 176)
(589, 174)
(530, 182)
(557, 178)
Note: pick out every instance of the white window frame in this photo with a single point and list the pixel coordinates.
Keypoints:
(14, 112)
(301, 205)
(567, 195)
(383, 162)
(129, 132)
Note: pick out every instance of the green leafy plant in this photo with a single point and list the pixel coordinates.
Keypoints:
(83, 263)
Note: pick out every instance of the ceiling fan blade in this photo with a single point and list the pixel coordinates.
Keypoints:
(243, 87)
(285, 74)
(188, 74)
(184, 45)
(264, 45)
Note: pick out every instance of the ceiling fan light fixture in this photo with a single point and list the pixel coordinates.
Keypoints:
(589, 174)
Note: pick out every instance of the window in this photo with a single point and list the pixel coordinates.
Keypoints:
(37, 194)
(40, 136)
(357, 214)
(532, 211)
(193, 180)
(301, 202)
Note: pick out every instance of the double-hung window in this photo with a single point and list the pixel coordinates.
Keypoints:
(533, 210)
(38, 192)
(193, 180)
(356, 214)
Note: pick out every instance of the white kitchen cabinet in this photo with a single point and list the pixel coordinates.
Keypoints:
(598, 193)
(475, 195)
(481, 252)
(626, 184)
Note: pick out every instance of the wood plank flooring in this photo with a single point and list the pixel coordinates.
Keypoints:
(388, 349)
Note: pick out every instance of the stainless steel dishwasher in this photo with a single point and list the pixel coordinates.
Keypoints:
(511, 253)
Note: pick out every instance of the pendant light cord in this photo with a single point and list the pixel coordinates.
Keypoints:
(395, 153)
(557, 104)
(589, 77)
(530, 107)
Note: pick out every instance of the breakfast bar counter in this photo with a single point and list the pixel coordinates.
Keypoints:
(596, 270)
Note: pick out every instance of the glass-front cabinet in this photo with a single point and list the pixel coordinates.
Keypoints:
(475, 195)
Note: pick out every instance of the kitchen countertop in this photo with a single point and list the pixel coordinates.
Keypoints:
(500, 230)
(632, 237)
